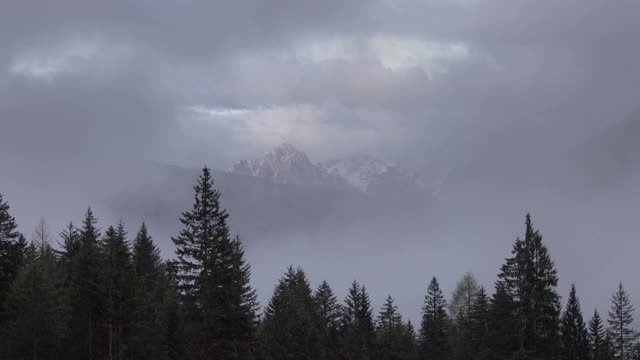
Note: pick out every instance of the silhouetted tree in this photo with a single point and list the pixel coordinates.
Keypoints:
(530, 278)
(620, 323)
(433, 340)
(574, 337)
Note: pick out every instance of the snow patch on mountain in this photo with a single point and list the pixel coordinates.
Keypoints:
(285, 164)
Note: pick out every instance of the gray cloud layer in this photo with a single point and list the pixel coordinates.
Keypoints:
(88, 86)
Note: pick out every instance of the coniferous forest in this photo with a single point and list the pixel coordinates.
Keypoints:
(94, 293)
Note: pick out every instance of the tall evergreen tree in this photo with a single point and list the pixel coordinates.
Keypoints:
(410, 342)
(390, 332)
(12, 246)
(69, 248)
(460, 309)
(600, 346)
(213, 279)
(530, 278)
(38, 303)
(86, 335)
(620, 323)
(149, 321)
(479, 326)
(358, 330)
(433, 330)
(574, 337)
(330, 312)
(118, 279)
(291, 327)
(502, 340)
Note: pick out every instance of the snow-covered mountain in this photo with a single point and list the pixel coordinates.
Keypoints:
(286, 164)
(367, 173)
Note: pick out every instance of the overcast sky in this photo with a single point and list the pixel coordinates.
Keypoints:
(424, 82)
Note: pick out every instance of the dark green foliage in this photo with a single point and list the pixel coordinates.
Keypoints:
(574, 337)
(87, 338)
(119, 286)
(70, 247)
(410, 342)
(600, 345)
(434, 343)
(39, 306)
(479, 326)
(503, 341)
(391, 332)
(148, 338)
(620, 323)
(358, 330)
(213, 280)
(12, 246)
(292, 327)
(329, 312)
(530, 277)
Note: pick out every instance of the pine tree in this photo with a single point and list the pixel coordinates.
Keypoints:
(86, 335)
(410, 342)
(118, 279)
(390, 332)
(635, 351)
(12, 247)
(460, 309)
(330, 320)
(433, 331)
(600, 345)
(502, 325)
(149, 321)
(574, 336)
(530, 278)
(358, 330)
(291, 327)
(479, 326)
(213, 279)
(620, 323)
(596, 338)
(37, 301)
(70, 247)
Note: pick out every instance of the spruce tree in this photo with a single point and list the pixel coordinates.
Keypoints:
(574, 337)
(149, 321)
(600, 346)
(410, 342)
(329, 311)
(118, 279)
(12, 247)
(433, 330)
(69, 249)
(213, 279)
(479, 326)
(38, 303)
(502, 340)
(87, 338)
(531, 279)
(291, 328)
(620, 323)
(390, 332)
(358, 330)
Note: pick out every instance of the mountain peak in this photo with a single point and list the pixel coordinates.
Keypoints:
(284, 164)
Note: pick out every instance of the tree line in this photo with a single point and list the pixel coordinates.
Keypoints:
(107, 295)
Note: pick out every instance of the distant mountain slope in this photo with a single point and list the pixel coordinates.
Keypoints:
(280, 195)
